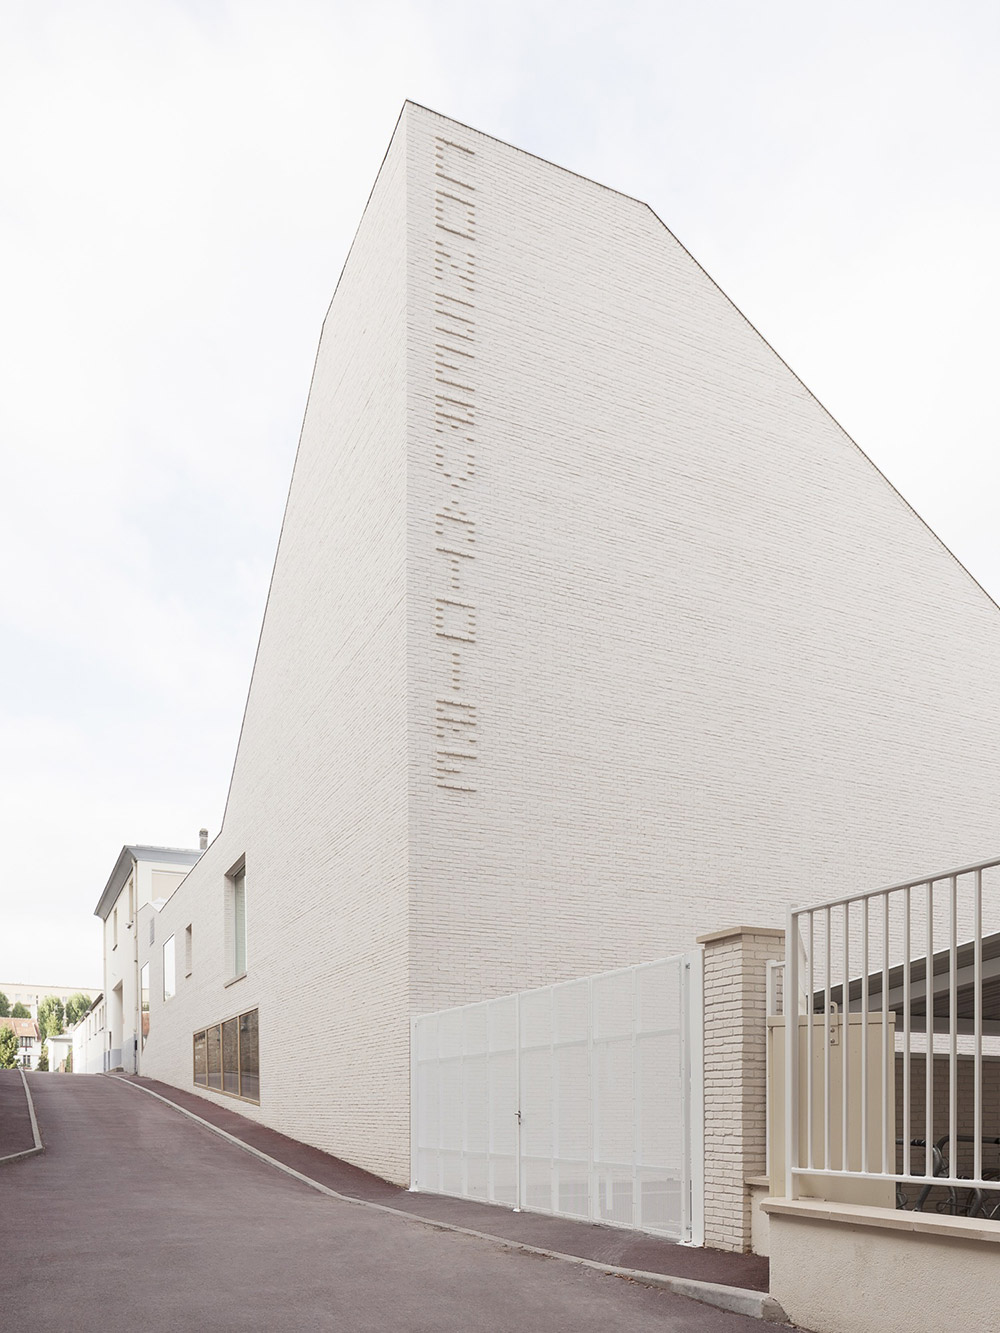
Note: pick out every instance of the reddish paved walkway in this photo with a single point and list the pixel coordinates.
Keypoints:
(147, 1221)
(609, 1245)
(15, 1126)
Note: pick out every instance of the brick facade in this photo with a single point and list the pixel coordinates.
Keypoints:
(589, 631)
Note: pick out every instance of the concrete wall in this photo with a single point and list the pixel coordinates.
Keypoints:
(842, 1269)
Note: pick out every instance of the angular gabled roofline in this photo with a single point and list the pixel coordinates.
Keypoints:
(181, 856)
(622, 194)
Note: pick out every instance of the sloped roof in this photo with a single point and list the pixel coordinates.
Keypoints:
(23, 1027)
(131, 852)
(939, 989)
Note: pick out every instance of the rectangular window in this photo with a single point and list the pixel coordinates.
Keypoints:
(226, 1057)
(249, 1057)
(169, 970)
(114, 929)
(213, 1039)
(187, 951)
(144, 1000)
(200, 1060)
(131, 900)
(231, 1057)
(152, 930)
(240, 922)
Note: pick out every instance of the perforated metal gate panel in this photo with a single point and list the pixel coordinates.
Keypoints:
(606, 1074)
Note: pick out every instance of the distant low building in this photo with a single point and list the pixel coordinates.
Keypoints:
(90, 1040)
(60, 1048)
(31, 995)
(28, 1039)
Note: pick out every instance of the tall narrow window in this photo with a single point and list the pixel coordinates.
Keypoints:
(169, 970)
(240, 922)
(231, 1056)
(200, 1060)
(114, 929)
(144, 1000)
(187, 951)
(214, 1041)
(249, 1057)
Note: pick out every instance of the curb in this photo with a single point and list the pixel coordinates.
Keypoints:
(39, 1146)
(737, 1300)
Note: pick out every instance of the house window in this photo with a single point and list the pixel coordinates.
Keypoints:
(231, 1056)
(249, 1057)
(213, 1038)
(187, 951)
(169, 970)
(114, 929)
(152, 930)
(200, 1060)
(144, 1000)
(236, 919)
(226, 1058)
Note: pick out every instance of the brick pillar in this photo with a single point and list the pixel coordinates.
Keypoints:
(735, 1076)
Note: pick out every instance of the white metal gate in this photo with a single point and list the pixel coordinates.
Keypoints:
(582, 1099)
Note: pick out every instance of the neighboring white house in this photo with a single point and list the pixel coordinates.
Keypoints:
(590, 631)
(142, 876)
(59, 1048)
(28, 1039)
(90, 1043)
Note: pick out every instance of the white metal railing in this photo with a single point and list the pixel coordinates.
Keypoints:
(892, 1039)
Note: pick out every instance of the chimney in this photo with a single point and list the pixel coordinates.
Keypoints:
(202, 839)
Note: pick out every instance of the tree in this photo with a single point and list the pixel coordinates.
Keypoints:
(4, 1006)
(20, 1011)
(76, 1006)
(50, 1016)
(10, 1052)
(43, 1058)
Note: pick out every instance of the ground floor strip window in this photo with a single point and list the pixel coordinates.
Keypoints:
(226, 1057)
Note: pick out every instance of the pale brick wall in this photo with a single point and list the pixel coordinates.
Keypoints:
(706, 656)
(318, 797)
(716, 657)
(735, 1077)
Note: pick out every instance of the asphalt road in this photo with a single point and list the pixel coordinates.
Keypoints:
(136, 1219)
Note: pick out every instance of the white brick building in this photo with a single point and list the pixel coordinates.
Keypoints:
(590, 631)
(142, 876)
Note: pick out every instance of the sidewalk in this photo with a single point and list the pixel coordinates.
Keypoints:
(610, 1245)
(15, 1123)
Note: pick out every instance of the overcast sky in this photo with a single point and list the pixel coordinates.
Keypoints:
(179, 184)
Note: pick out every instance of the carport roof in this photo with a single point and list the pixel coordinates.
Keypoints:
(940, 989)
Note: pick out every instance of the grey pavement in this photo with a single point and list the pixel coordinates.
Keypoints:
(135, 1218)
(15, 1123)
(604, 1244)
